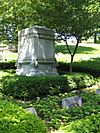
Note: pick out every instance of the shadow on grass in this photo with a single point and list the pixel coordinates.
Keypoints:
(81, 50)
(91, 66)
(10, 71)
(93, 63)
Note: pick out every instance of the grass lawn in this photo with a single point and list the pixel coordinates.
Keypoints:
(88, 55)
(9, 56)
(6, 54)
(84, 52)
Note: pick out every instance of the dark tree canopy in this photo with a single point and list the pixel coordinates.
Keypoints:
(79, 17)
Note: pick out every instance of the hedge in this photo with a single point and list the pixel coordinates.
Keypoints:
(62, 68)
(14, 119)
(27, 88)
(7, 65)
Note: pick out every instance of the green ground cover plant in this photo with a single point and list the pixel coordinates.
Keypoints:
(49, 106)
(14, 119)
(50, 110)
(91, 124)
(57, 119)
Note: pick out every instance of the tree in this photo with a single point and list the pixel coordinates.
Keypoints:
(15, 15)
(76, 17)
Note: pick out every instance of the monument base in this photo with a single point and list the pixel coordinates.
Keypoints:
(26, 69)
(31, 70)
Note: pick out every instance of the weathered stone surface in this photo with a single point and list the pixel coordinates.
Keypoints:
(97, 91)
(36, 52)
(1, 58)
(11, 47)
(72, 101)
(32, 110)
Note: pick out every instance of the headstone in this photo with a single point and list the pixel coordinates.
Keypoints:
(11, 47)
(1, 58)
(32, 110)
(97, 91)
(36, 52)
(72, 101)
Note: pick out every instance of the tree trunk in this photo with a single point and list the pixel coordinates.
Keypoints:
(71, 64)
(72, 54)
(95, 37)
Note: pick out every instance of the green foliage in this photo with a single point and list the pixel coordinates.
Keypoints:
(14, 119)
(88, 125)
(77, 17)
(12, 14)
(24, 87)
(55, 116)
(7, 65)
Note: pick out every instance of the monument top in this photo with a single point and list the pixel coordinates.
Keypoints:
(40, 30)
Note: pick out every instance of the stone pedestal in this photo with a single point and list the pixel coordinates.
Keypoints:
(36, 52)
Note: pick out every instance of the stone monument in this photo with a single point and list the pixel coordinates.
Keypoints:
(32, 110)
(36, 52)
(98, 91)
(72, 101)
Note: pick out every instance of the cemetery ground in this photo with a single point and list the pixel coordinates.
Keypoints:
(84, 119)
(87, 55)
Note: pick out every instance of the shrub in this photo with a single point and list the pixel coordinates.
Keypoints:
(7, 65)
(14, 119)
(23, 87)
